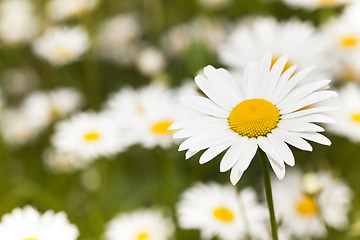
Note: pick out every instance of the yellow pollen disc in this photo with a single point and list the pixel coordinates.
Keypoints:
(307, 205)
(162, 127)
(30, 239)
(91, 136)
(142, 236)
(254, 117)
(349, 41)
(274, 60)
(223, 214)
(356, 117)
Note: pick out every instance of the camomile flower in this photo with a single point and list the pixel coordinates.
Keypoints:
(63, 162)
(64, 9)
(89, 135)
(45, 107)
(254, 37)
(314, 4)
(28, 224)
(306, 204)
(144, 224)
(18, 23)
(348, 116)
(267, 108)
(219, 211)
(147, 113)
(62, 45)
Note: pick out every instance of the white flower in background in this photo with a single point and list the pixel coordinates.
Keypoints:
(28, 224)
(89, 135)
(305, 204)
(219, 211)
(313, 4)
(64, 9)
(60, 162)
(140, 225)
(147, 113)
(348, 116)
(210, 32)
(45, 107)
(18, 23)
(17, 128)
(266, 108)
(254, 37)
(214, 4)
(343, 34)
(150, 61)
(19, 81)
(118, 38)
(62, 45)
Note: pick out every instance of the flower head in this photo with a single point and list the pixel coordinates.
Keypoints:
(267, 108)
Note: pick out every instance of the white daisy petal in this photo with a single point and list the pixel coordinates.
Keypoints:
(282, 149)
(249, 151)
(232, 155)
(316, 137)
(307, 112)
(204, 105)
(295, 125)
(278, 167)
(266, 147)
(189, 153)
(281, 83)
(292, 139)
(212, 152)
(275, 74)
(189, 132)
(235, 175)
(200, 121)
(319, 118)
(212, 93)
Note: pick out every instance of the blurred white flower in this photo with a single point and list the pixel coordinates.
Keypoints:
(27, 223)
(219, 211)
(18, 23)
(60, 162)
(266, 108)
(141, 224)
(64, 9)
(117, 39)
(19, 81)
(252, 38)
(313, 4)
(17, 128)
(45, 107)
(89, 135)
(62, 45)
(147, 113)
(177, 40)
(150, 61)
(348, 116)
(305, 213)
(214, 4)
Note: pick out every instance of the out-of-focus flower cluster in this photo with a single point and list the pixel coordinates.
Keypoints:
(86, 81)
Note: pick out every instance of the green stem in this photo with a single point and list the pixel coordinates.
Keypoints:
(267, 181)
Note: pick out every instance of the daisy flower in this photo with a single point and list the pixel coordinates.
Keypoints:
(28, 224)
(219, 211)
(118, 39)
(314, 4)
(306, 204)
(18, 23)
(348, 116)
(59, 161)
(62, 45)
(148, 112)
(64, 9)
(150, 61)
(89, 135)
(140, 225)
(267, 108)
(254, 37)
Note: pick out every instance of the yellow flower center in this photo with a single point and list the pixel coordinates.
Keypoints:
(91, 136)
(254, 117)
(142, 236)
(307, 205)
(223, 214)
(356, 117)
(30, 239)
(161, 127)
(287, 65)
(349, 41)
